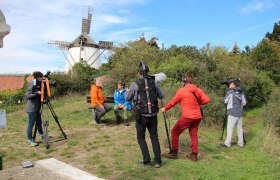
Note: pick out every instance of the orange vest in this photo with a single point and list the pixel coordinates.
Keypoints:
(96, 94)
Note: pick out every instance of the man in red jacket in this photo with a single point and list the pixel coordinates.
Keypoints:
(190, 98)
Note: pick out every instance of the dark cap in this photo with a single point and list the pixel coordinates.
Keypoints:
(143, 68)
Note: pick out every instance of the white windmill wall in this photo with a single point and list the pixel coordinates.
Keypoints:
(87, 52)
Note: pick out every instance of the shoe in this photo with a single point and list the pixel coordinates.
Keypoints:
(126, 123)
(145, 164)
(173, 154)
(97, 120)
(119, 120)
(157, 165)
(42, 136)
(223, 145)
(192, 156)
(32, 143)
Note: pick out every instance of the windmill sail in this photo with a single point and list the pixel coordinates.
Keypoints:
(86, 20)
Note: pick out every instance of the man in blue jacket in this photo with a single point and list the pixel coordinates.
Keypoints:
(121, 103)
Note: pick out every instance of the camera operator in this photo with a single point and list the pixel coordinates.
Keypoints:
(33, 107)
(145, 119)
(190, 98)
(235, 100)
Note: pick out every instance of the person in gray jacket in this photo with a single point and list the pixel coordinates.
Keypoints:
(33, 107)
(235, 100)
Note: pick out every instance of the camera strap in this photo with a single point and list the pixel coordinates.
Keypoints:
(198, 103)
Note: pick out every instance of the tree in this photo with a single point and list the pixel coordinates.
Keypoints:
(275, 35)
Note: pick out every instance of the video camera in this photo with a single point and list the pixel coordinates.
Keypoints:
(228, 81)
(44, 86)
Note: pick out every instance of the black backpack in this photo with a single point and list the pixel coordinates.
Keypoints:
(142, 96)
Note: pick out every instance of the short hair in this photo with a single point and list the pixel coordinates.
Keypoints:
(189, 78)
(37, 74)
(121, 83)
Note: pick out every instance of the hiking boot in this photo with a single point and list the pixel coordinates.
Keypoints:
(192, 156)
(119, 120)
(126, 123)
(173, 154)
(97, 120)
(145, 164)
(32, 143)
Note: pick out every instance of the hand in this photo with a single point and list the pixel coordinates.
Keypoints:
(101, 106)
(120, 105)
(39, 92)
(163, 109)
(127, 89)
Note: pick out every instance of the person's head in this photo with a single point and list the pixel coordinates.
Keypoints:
(121, 85)
(98, 82)
(37, 75)
(4, 28)
(187, 79)
(143, 69)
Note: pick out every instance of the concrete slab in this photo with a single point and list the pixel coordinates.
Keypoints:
(47, 169)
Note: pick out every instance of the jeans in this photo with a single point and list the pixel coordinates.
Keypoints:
(151, 124)
(116, 111)
(32, 118)
(100, 111)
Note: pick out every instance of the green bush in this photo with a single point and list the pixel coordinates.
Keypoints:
(271, 114)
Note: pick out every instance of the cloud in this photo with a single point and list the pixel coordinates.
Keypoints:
(258, 5)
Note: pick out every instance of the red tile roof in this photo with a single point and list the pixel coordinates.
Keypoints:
(12, 82)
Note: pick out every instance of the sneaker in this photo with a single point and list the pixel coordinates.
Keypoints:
(223, 145)
(173, 154)
(157, 165)
(42, 136)
(145, 164)
(32, 143)
(192, 156)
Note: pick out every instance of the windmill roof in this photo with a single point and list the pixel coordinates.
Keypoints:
(102, 73)
(85, 35)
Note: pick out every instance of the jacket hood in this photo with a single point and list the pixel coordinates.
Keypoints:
(191, 87)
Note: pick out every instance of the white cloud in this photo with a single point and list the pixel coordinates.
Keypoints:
(258, 5)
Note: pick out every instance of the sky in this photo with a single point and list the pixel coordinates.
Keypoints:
(174, 22)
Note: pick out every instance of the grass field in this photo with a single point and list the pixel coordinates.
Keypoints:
(110, 151)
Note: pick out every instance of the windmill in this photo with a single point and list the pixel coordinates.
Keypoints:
(83, 48)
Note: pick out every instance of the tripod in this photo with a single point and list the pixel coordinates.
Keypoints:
(45, 99)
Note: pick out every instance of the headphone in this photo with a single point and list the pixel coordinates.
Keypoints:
(184, 80)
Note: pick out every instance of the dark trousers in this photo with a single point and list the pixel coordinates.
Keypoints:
(149, 123)
(100, 111)
(32, 118)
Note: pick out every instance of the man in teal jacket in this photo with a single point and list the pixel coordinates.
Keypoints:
(121, 103)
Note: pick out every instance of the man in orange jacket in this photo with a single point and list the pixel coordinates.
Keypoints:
(97, 100)
(190, 98)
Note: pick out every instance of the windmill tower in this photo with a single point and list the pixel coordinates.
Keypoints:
(83, 48)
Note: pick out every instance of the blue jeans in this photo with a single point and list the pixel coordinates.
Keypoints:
(32, 118)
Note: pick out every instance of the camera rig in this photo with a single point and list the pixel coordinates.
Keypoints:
(45, 87)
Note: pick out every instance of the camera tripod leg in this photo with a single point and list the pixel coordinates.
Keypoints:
(47, 138)
(56, 119)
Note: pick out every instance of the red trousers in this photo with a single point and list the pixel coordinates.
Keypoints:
(180, 126)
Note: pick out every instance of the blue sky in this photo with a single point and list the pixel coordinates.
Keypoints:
(180, 22)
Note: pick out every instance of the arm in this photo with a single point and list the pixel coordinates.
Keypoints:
(244, 100)
(177, 98)
(31, 94)
(203, 98)
(227, 98)
(159, 92)
(129, 95)
(116, 101)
